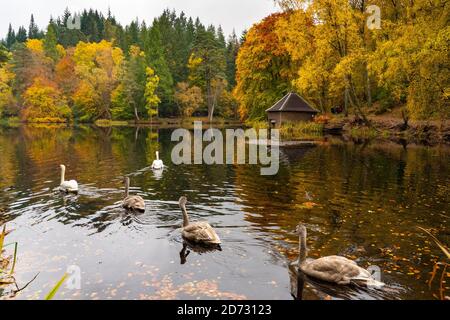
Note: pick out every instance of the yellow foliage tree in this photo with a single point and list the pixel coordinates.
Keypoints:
(43, 102)
(339, 59)
(97, 65)
(6, 93)
(35, 45)
(152, 100)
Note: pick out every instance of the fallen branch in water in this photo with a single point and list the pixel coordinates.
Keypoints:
(26, 285)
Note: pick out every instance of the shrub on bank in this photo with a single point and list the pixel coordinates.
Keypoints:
(110, 123)
(46, 120)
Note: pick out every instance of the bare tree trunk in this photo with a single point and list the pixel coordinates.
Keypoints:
(346, 96)
(357, 105)
(368, 89)
(136, 115)
(405, 117)
(211, 114)
(208, 99)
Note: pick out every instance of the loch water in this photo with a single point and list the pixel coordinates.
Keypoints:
(366, 200)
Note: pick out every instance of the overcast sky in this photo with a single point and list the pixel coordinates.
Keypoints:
(231, 14)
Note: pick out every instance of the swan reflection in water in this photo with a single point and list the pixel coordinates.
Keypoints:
(199, 249)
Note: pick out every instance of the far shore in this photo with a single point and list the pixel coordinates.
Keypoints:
(381, 127)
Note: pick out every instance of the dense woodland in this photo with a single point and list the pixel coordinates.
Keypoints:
(324, 50)
(176, 66)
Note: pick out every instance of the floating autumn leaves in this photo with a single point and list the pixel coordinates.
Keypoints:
(166, 290)
(154, 286)
(307, 205)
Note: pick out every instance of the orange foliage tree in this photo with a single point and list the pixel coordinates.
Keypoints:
(264, 69)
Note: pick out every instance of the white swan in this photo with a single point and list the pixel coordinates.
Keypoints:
(135, 203)
(335, 269)
(67, 186)
(197, 232)
(157, 164)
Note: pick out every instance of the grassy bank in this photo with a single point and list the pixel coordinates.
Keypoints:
(10, 122)
(292, 130)
(164, 122)
(111, 123)
(393, 128)
(301, 130)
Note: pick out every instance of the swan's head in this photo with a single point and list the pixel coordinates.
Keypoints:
(301, 230)
(126, 180)
(182, 201)
(63, 167)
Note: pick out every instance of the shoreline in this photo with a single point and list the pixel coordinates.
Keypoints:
(431, 132)
(421, 132)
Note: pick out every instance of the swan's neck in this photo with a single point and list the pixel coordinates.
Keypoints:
(127, 187)
(185, 216)
(303, 250)
(63, 173)
(157, 155)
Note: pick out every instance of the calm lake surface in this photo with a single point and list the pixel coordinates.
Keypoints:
(368, 200)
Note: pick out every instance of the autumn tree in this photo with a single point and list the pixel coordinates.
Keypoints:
(65, 74)
(7, 77)
(4, 54)
(341, 61)
(411, 61)
(105, 79)
(43, 101)
(225, 104)
(151, 98)
(28, 63)
(7, 100)
(188, 99)
(264, 69)
(97, 65)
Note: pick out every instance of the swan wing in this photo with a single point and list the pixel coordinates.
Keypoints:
(201, 232)
(157, 164)
(334, 269)
(71, 185)
(134, 203)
